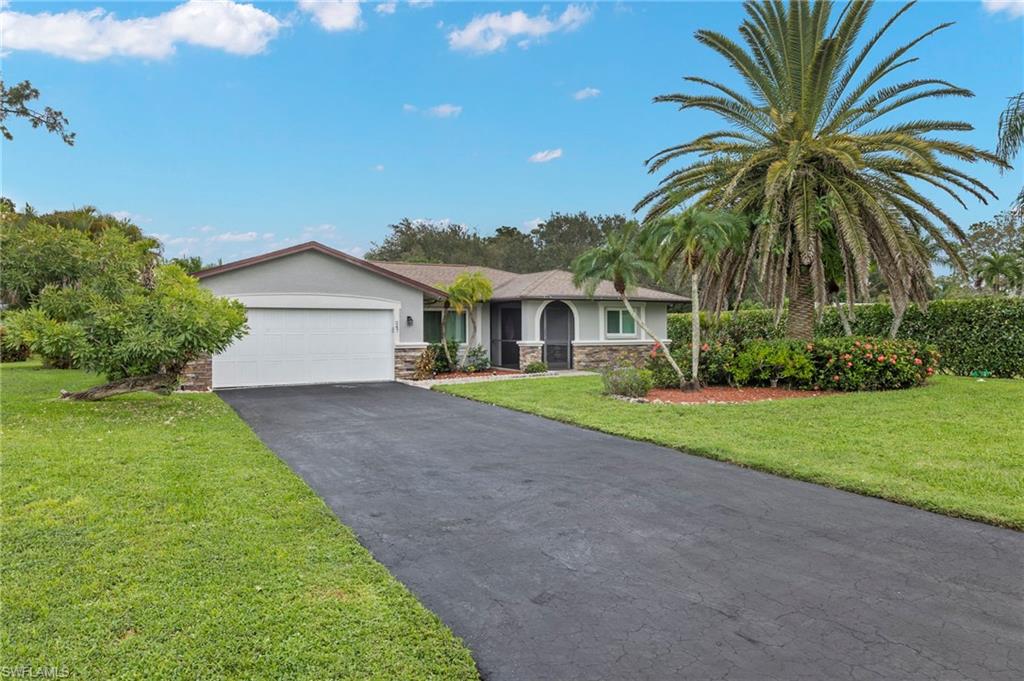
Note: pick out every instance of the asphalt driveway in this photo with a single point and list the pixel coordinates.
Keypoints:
(560, 553)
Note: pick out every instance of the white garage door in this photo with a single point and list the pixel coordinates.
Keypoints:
(295, 346)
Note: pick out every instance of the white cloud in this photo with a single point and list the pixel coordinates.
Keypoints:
(586, 93)
(318, 231)
(130, 216)
(1015, 8)
(357, 251)
(386, 7)
(234, 237)
(379, 168)
(444, 111)
(410, 108)
(546, 155)
(334, 15)
(95, 34)
(421, 4)
(530, 225)
(492, 32)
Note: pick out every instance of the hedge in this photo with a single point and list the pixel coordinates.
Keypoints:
(974, 335)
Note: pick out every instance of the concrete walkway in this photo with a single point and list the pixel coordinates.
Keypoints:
(560, 554)
(430, 383)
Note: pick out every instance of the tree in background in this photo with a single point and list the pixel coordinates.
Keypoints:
(190, 263)
(15, 100)
(696, 238)
(625, 260)
(429, 241)
(510, 249)
(999, 271)
(809, 130)
(1011, 135)
(561, 238)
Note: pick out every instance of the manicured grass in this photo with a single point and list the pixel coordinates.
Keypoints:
(148, 537)
(955, 446)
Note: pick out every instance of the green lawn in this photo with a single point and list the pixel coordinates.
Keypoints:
(955, 446)
(149, 537)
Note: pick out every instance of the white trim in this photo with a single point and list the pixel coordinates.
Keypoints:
(540, 311)
(602, 311)
(618, 341)
(530, 344)
(412, 345)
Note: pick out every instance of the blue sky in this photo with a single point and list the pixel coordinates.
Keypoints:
(232, 129)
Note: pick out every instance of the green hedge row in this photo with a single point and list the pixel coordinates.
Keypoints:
(973, 334)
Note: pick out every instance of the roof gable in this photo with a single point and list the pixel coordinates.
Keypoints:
(318, 247)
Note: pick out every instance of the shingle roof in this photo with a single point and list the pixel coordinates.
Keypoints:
(550, 284)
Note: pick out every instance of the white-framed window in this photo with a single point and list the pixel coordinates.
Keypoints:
(618, 323)
(454, 322)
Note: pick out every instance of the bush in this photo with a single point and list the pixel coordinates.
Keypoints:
(536, 368)
(713, 368)
(771, 362)
(424, 368)
(871, 363)
(476, 359)
(60, 344)
(13, 350)
(441, 363)
(627, 380)
(974, 335)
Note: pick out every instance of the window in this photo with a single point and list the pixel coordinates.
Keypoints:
(455, 323)
(618, 322)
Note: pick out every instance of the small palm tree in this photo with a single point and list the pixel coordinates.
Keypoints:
(624, 260)
(464, 293)
(998, 270)
(697, 238)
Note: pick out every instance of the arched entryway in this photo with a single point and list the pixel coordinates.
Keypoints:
(557, 330)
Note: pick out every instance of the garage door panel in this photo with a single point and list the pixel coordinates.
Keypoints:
(296, 346)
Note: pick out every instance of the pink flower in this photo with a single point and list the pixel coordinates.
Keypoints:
(705, 347)
(847, 356)
(892, 360)
(867, 346)
(856, 343)
(930, 371)
(849, 364)
(917, 361)
(881, 358)
(836, 378)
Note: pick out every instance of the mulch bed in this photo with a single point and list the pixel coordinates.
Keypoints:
(476, 374)
(722, 394)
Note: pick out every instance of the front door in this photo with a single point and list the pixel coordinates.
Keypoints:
(557, 331)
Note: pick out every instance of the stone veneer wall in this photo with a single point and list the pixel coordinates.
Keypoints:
(405, 360)
(597, 357)
(530, 353)
(198, 375)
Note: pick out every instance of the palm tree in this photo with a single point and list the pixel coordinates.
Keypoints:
(697, 238)
(809, 133)
(465, 291)
(1011, 134)
(624, 260)
(998, 270)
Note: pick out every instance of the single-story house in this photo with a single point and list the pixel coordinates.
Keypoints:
(318, 315)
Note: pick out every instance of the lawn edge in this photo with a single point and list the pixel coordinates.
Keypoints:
(725, 457)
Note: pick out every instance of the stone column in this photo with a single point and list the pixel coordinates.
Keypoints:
(529, 352)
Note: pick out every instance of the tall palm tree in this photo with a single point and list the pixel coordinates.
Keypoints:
(998, 270)
(624, 260)
(812, 130)
(697, 238)
(1011, 134)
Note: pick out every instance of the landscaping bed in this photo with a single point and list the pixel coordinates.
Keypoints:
(953, 446)
(486, 373)
(157, 537)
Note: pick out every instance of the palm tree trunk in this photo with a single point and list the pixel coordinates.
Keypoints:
(800, 319)
(694, 330)
(664, 348)
(444, 337)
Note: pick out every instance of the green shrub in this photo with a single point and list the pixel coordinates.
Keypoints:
(713, 368)
(441, 363)
(476, 359)
(13, 350)
(59, 343)
(535, 368)
(771, 362)
(984, 334)
(849, 363)
(627, 380)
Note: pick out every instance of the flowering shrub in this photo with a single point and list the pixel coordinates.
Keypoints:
(714, 367)
(872, 363)
(476, 359)
(774, 362)
(627, 380)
